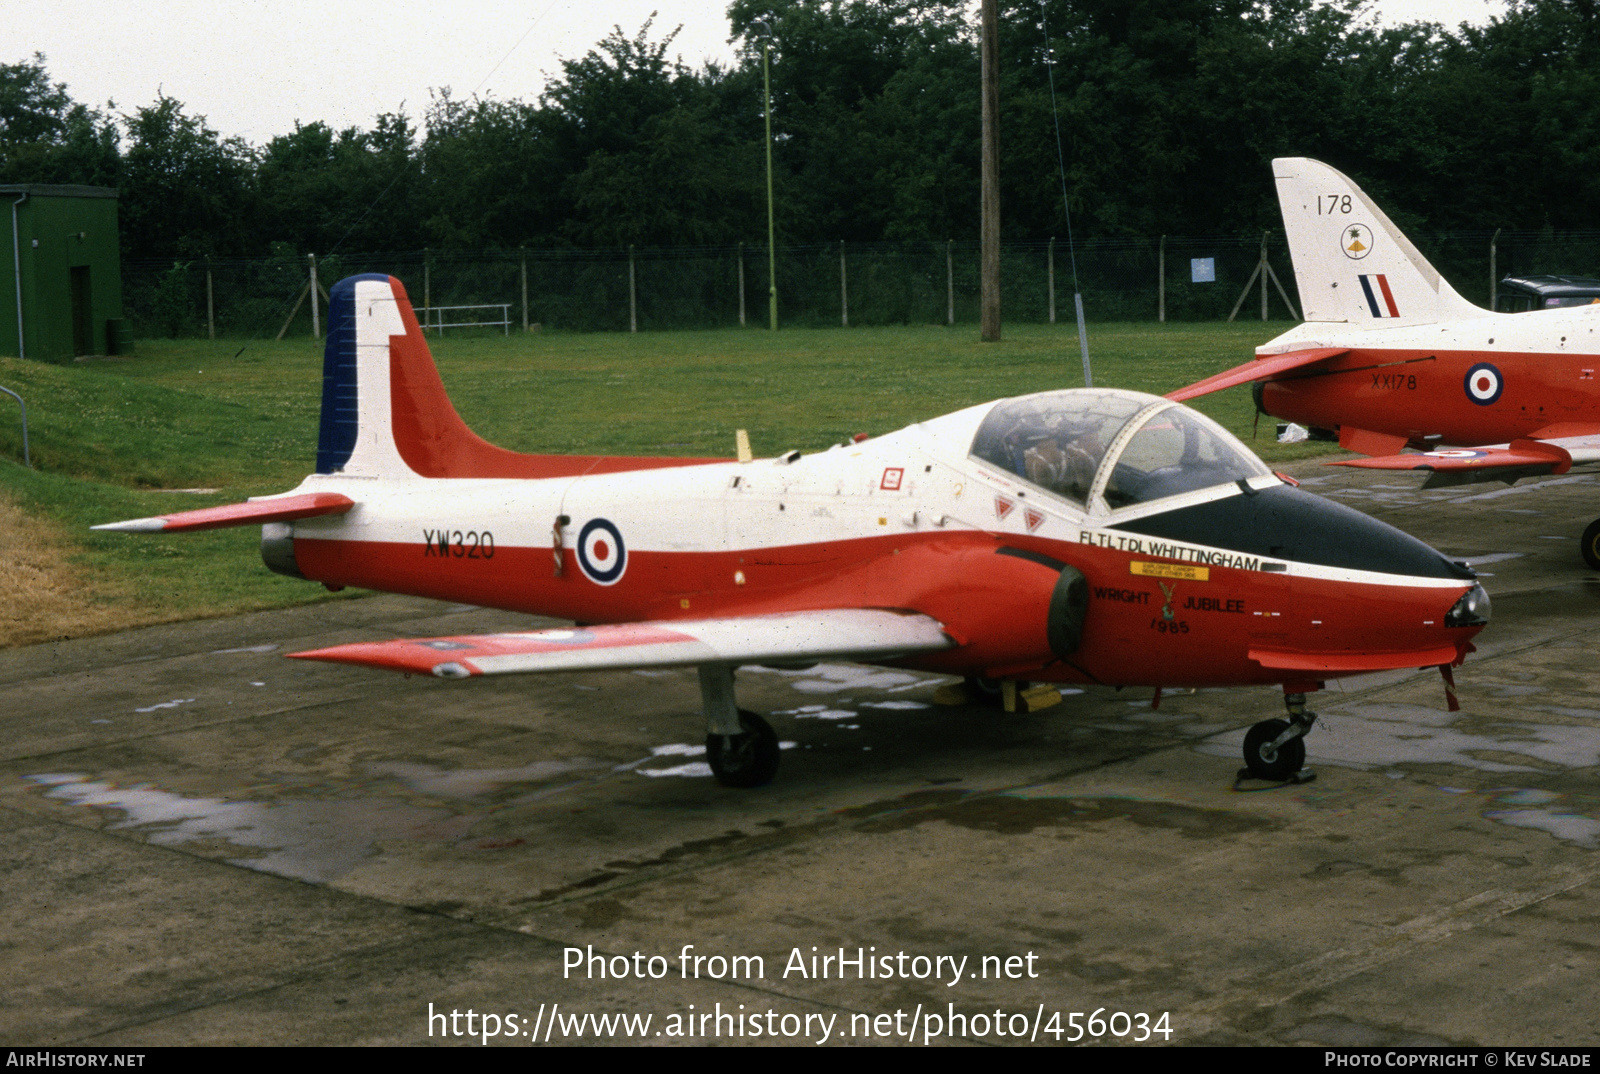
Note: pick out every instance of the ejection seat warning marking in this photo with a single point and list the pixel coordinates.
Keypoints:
(892, 477)
(1169, 570)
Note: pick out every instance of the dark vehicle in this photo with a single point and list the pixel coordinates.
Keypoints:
(1520, 294)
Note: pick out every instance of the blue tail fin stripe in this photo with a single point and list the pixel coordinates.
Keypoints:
(1372, 300)
(336, 437)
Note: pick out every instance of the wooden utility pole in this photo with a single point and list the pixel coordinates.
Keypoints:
(949, 282)
(1161, 283)
(1051, 274)
(316, 318)
(989, 270)
(844, 291)
(1494, 279)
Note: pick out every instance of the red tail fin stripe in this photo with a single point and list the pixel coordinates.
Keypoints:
(1388, 296)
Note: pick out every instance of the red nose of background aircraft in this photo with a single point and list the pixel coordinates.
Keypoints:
(1086, 536)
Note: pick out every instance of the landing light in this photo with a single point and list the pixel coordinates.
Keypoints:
(1471, 610)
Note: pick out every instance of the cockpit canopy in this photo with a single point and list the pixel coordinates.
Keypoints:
(1125, 447)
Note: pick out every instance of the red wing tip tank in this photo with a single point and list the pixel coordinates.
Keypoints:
(1086, 536)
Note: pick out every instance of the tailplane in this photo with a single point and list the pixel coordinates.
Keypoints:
(1350, 261)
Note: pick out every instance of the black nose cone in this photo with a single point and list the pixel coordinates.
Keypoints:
(1283, 522)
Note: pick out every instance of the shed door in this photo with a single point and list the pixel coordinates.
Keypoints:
(82, 312)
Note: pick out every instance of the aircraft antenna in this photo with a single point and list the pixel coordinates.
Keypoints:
(1061, 166)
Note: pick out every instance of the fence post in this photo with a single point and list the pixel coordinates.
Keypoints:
(844, 292)
(524, 290)
(741, 285)
(1494, 277)
(211, 315)
(949, 283)
(427, 290)
(633, 304)
(316, 320)
(1161, 285)
(1051, 260)
(1263, 275)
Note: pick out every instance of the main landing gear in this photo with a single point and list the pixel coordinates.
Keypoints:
(741, 747)
(1275, 750)
(1590, 545)
(1009, 695)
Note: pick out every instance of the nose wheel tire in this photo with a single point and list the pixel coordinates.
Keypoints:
(748, 759)
(1590, 545)
(1274, 765)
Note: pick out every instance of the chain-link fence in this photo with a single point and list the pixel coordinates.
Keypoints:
(1186, 278)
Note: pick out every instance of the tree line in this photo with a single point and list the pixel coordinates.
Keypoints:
(1169, 111)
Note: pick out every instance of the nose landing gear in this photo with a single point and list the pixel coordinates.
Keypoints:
(1275, 750)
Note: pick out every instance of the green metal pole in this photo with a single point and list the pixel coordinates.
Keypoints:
(772, 252)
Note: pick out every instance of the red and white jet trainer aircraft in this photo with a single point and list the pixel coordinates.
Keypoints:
(1089, 536)
(1391, 356)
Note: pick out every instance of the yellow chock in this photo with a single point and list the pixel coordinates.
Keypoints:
(1040, 697)
(952, 693)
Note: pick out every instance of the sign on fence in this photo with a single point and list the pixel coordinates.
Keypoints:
(1202, 270)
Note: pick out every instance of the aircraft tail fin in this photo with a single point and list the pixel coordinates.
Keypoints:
(385, 412)
(1352, 264)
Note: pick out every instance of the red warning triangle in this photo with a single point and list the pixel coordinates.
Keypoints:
(1002, 506)
(1034, 518)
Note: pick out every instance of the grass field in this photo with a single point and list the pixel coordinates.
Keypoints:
(110, 438)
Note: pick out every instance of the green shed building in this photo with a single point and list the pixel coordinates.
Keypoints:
(60, 272)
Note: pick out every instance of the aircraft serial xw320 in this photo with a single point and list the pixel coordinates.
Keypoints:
(1391, 356)
(1088, 536)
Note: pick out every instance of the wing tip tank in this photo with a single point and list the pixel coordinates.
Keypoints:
(154, 524)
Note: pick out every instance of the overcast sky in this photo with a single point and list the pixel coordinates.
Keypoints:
(254, 67)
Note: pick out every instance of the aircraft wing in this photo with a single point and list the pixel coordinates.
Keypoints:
(255, 512)
(1256, 369)
(1499, 462)
(841, 633)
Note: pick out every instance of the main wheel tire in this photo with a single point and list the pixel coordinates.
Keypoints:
(749, 759)
(1590, 545)
(1267, 763)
